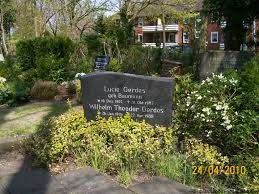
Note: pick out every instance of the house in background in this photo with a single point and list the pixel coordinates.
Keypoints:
(149, 31)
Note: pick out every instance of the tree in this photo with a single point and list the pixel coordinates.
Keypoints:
(238, 15)
(7, 17)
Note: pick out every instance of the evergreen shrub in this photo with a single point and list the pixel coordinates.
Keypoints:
(49, 56)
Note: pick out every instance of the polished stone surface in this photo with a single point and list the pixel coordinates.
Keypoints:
(114, 94)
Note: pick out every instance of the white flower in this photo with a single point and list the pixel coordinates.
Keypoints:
(209, 133)
(192, 107)
(218, 107)
(199, 98)
(233, 81)
(220, 76)
(206, 110)
(225, 106)
(225, 117)
(227, 121)
(79, 75)
(229, 127)
(2, 80)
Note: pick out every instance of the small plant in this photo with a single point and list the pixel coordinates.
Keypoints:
(44, 90)
(176, 167)
(205, 154)
(124, 177)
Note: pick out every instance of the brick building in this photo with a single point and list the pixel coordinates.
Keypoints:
(149, 31)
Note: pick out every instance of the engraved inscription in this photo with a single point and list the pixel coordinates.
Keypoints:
(114, 94)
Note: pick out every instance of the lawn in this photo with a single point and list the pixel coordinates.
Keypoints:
(26, 119)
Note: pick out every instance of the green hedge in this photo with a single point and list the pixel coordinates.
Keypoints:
(49, 56)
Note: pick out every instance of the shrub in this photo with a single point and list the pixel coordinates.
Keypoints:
(49, 56)
(13, 92)
(204, 154)
(44, 90)
(186, 58)
(9, 68)
(222, 112)
(26, 54)
(141, 60)
(72, 87)
(114, 65)
(108, 144)
(20, 92)
(249, 89)
(94, 45)
(78, 91)
(51, 68)
(5, 93)
(208, 111)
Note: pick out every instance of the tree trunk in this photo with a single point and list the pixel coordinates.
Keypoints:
(164, 34)
(234, 35)
(3, 32)
(35, 18)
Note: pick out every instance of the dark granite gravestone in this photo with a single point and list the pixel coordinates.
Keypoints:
(114, 94)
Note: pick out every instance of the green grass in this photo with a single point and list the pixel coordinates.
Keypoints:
(125, 176)
(18, 131)
(28, 118)
(175, 167)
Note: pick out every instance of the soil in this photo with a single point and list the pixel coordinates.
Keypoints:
(14, 161)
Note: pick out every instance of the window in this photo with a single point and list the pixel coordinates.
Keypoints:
(185, 37)
(214, 37)
(140, 21)
(140, 38)
(171, 37)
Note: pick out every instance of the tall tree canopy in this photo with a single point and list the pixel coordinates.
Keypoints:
(238, 14)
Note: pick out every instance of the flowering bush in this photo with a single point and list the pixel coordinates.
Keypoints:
(2, 81)
(209, 111)
(5, 93)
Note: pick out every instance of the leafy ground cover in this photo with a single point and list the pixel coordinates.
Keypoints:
(27, 118)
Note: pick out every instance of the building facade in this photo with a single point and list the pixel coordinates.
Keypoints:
(150, 33)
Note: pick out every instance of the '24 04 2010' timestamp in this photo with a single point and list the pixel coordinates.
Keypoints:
(217, 170)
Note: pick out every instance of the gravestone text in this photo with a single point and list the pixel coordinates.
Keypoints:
(114, 94)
